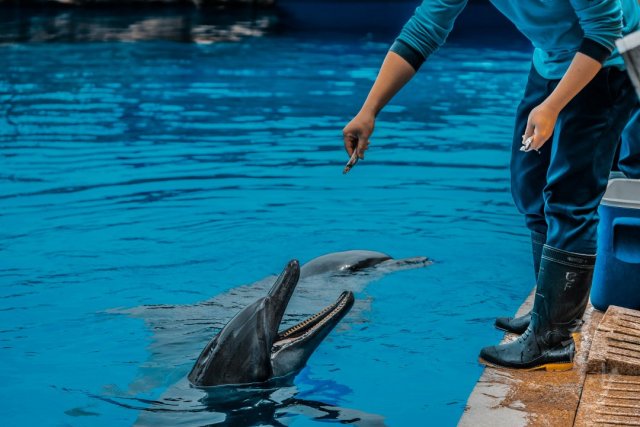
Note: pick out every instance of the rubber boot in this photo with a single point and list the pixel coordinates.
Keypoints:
(561, 299)
(517, 325)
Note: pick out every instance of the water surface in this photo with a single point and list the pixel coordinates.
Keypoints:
(169, 173)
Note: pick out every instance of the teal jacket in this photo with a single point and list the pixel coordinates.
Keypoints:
(557, 29)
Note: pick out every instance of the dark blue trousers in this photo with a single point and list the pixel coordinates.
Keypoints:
(629, 151)
(559, 189)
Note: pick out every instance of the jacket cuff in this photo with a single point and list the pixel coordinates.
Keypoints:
(594, 50)
(409, 54)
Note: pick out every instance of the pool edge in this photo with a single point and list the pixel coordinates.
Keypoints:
(517, 398)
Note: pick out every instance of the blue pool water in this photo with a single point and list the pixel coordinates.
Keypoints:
(168, 173)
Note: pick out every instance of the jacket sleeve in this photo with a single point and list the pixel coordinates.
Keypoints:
(427, 30)
(601, 22)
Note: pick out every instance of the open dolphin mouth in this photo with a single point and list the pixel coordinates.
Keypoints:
(238, 354)
(314, 324)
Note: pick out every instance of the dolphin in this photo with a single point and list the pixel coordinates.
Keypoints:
(178, 332)
(250, 349)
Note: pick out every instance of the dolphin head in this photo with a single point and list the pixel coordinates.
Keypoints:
(250, 349)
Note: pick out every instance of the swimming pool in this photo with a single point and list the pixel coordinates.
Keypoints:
(169, 173)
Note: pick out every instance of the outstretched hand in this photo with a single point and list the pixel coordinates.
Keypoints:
(356, 134)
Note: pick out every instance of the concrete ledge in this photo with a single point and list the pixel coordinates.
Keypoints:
(616, 344)
(505, 397)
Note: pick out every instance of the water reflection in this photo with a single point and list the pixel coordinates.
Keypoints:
(275, 407)
(232, 21)
(180, 24)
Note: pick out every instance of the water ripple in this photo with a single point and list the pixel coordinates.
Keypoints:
(166, 173)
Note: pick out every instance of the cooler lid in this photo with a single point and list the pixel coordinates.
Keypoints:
(622, 192)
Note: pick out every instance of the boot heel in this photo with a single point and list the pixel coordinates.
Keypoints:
(557, 367)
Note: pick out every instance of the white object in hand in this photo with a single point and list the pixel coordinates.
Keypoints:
(526, 144)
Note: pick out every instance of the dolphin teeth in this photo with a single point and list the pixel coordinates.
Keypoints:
(332, 308)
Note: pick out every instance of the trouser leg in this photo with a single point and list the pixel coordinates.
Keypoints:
(529, 170)
(629, 151)
(582, 152)
(528, 178)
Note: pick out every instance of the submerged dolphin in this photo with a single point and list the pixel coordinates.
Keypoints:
(350, 261)
(249, 349)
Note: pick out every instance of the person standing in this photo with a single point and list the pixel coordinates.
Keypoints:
(568, 125)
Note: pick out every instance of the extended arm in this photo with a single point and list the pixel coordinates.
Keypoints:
(394, 74)
(420, 37)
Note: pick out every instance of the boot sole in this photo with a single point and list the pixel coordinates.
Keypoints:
(511, 331)
(549, 367)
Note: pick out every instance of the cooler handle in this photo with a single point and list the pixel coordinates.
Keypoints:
(626, 239)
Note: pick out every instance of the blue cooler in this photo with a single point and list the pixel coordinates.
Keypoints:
(616, 279)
